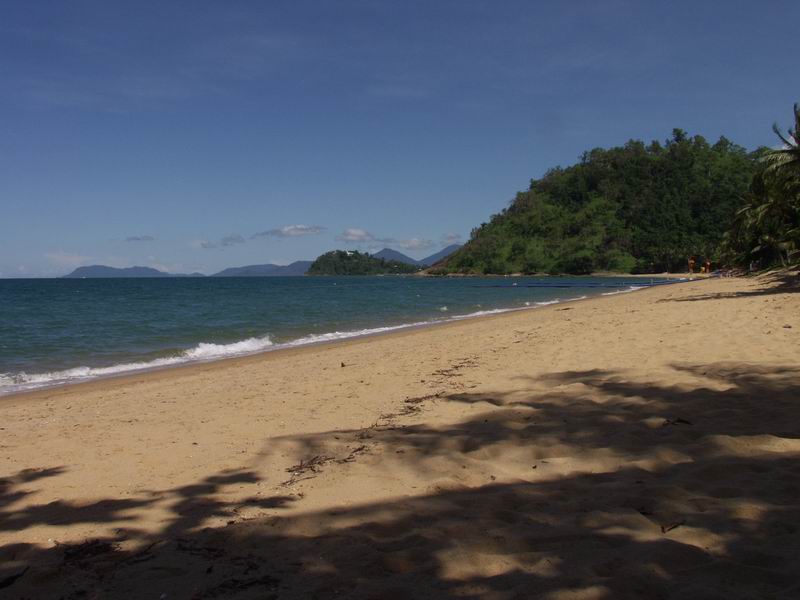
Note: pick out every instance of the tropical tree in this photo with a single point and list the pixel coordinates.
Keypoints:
(767, 228)
(633, 208)
(782, 165)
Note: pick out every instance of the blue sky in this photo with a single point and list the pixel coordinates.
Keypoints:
(192, 136)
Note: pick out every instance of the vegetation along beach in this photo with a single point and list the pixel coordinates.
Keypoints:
(275, 324)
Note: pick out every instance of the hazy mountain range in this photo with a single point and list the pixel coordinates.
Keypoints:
(268, 270)
(101, 271)
(296, 268)
(389, 254)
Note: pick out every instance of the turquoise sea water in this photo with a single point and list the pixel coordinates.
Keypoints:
(56, 331)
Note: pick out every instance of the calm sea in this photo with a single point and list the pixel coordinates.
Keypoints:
(55, 331)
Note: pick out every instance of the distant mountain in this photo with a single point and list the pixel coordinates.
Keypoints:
(296, 268)
(101, 271)
(389, 254)
(441, 255)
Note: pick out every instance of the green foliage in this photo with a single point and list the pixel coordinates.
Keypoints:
(346, 262)
(634, 208)
(620, 262)
(766, 230)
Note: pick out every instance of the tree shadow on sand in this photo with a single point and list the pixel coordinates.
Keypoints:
(607, 486)
(781, 282)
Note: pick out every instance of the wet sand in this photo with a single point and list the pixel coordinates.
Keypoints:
(634, 445)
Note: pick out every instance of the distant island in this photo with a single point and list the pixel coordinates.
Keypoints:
(355, 263)
(103, 271)
(268, 270)
(352, 262)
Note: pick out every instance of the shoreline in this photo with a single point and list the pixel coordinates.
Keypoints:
(617, 434)
(664, 275)
(180, 362)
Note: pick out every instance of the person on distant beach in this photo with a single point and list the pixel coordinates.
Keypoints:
(691, 264)
(707, 266)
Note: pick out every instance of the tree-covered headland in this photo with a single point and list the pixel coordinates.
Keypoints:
(350, 262)
(635, 208)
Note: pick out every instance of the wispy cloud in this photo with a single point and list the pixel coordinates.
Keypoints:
(415, 244)
(140, 238)
(450, 238)
(290, 231)
(195, 66)
(231, 240)
(66, 259)
(356, 235)
(115, 93)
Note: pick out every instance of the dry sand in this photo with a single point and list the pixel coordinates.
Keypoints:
(639, 445)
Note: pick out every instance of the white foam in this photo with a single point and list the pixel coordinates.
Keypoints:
(22, 381)
(632, 288)
(205, 351)
(483, 313)
(318, 338)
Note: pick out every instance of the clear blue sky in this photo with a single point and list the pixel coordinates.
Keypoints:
(169, 133)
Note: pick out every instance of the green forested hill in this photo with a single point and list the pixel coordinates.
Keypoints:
(344, 262)
(640, 208)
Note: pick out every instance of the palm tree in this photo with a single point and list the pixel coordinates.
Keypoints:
(767, 228)
(760, 234)
(782, 165)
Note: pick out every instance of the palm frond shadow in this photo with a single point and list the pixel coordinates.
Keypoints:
(782, 282)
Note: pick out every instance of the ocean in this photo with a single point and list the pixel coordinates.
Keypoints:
(56, 331)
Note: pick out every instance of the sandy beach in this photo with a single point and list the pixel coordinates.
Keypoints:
(640, 445)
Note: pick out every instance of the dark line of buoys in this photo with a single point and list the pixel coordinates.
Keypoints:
(587, 284)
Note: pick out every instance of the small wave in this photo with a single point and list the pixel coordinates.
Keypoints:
(22, 381)
(632, 288)
(483, 313)
(547, 302)
(205, 351)
(317, 338)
